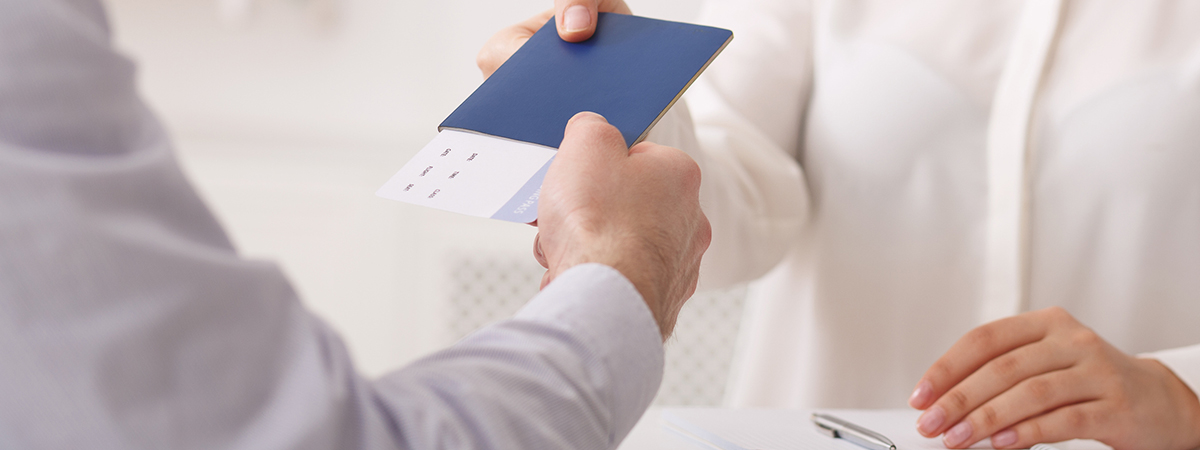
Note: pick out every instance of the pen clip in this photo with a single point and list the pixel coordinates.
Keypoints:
(840, 429)
(825, 429)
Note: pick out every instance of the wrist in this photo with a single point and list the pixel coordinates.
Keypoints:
(638, 263)
(1186, 404)
(643, 279)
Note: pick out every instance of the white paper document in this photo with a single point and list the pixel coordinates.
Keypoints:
(778, 429)
(474, 174)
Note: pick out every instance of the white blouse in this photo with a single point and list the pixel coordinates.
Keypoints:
(903, 171)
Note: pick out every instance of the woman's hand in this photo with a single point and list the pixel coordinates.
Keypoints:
(576, 21)
(1044, 377)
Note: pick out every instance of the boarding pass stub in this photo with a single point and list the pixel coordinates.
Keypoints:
(474, 174)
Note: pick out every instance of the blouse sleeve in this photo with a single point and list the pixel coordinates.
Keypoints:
(742, 122)
(1185, 362)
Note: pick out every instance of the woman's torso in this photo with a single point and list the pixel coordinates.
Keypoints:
(891, 270)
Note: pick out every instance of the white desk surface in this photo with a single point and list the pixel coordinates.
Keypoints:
(649, 434)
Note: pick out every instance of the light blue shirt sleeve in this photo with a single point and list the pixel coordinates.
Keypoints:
(128, 321)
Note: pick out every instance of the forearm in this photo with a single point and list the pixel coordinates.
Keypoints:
(574, 369)
(185, 346)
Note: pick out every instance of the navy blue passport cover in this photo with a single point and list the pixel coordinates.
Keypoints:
(631, 71)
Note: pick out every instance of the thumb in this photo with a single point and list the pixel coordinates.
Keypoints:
(589, 135)
(576, 19)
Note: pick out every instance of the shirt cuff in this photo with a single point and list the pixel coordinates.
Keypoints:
(1184, 362)
(606, 310)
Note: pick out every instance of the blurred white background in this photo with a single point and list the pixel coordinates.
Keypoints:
(288, 114)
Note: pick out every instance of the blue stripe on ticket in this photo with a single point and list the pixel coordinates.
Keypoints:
(522, 207)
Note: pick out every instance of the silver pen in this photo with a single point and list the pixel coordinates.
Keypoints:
(840, 429)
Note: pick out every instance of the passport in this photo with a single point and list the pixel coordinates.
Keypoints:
(492, 152)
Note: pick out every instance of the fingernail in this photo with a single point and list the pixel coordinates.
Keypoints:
(957, 435)
(1004, 438)
(931, 420)
(920, 395)
(576, 18)
(585, 114)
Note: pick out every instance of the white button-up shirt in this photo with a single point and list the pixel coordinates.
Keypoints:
(912, 169)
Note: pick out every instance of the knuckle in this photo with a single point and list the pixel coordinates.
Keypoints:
(690, 171)
(982, 337)
(1078, 419)
(957, 400)
(483, 60)
(1121, 400)
(680, 163)
(607, 132)
(1059, 316)
(490, 54)
(940, 370)
(598, 130)
(1032, 432)
(1007, 366)
(704, 233)
(988, 418)
(1085, 339)
(1108, 417)
(1040, 388)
